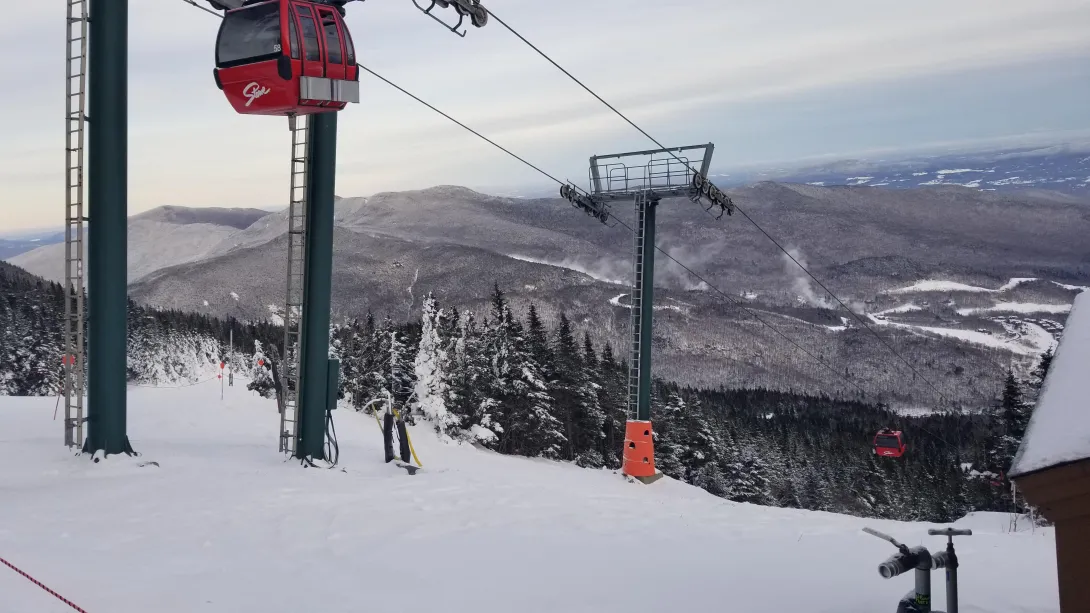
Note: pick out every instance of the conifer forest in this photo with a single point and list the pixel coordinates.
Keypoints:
(515, 384)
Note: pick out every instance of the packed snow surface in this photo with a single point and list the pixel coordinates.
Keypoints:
(1017, 307)
(1024, 338)
(225, 524)
(904, 308)
(1059, 430)
(934, 285)
(1074, 288)
(1015, 282)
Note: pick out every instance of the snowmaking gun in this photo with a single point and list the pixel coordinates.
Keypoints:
(923, 561)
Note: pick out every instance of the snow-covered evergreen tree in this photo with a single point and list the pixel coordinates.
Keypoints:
(576, 399)
(261, 379)
(668, 435)
(469, 385)
(528, 424)
(431, 359)
(613, 399)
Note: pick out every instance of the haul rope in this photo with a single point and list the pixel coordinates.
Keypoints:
(41, 585)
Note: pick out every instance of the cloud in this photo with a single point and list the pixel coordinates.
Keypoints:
(710, 64)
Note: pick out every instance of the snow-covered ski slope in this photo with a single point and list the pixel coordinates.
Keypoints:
(224, 524)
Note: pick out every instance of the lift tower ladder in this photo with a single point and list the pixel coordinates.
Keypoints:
(74, 245)
(296, 286)
(639, 239)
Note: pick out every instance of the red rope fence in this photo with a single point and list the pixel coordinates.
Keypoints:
(41, 585)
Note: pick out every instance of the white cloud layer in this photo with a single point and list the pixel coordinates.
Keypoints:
(740, 73)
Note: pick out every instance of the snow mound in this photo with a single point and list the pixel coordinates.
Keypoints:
(224, 519)
(1059, 430)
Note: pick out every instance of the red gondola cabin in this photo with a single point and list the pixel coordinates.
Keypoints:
(286, 57)
(889, 443)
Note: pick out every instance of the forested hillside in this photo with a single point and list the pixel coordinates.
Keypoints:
(512, 385)
(507, 381)
(165, 347)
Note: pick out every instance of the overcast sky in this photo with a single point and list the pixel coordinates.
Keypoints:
(768, 81)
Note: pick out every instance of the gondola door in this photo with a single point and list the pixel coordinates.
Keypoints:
(334, 48)
(312, 61)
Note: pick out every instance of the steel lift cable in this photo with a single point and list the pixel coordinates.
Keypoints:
(621, 223)
(659, 249)
(730, 298)
(740, 210)
(203, 8)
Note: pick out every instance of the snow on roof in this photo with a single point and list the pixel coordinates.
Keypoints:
(1059, 430)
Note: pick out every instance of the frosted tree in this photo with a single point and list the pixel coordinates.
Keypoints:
(372, 361)
(575, 399)
(612, 399)
(528, 424)
(400, 376)
(745, 475)
(668, 435)
(469, 383)
(594, 418)
(261, 379)
(431, 359)
(537, 342)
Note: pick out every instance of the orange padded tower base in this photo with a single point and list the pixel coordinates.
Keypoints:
(639, 450)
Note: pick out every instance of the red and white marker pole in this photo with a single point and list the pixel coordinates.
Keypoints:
(220, 376)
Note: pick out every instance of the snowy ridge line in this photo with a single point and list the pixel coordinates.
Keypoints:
(42, 585)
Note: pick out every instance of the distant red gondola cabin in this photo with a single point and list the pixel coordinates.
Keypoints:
(889, 443)
(286, 57)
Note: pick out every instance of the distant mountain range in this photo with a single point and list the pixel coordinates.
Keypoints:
(961, 282)
(165, 236)
(1059, 168)
(11, 247)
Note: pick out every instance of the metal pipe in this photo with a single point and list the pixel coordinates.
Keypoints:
(923, 583)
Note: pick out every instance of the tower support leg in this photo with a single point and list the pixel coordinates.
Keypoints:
(639, 451)
(108, 230)
(319, 282)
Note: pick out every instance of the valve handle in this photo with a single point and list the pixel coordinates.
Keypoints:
(949, 532)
